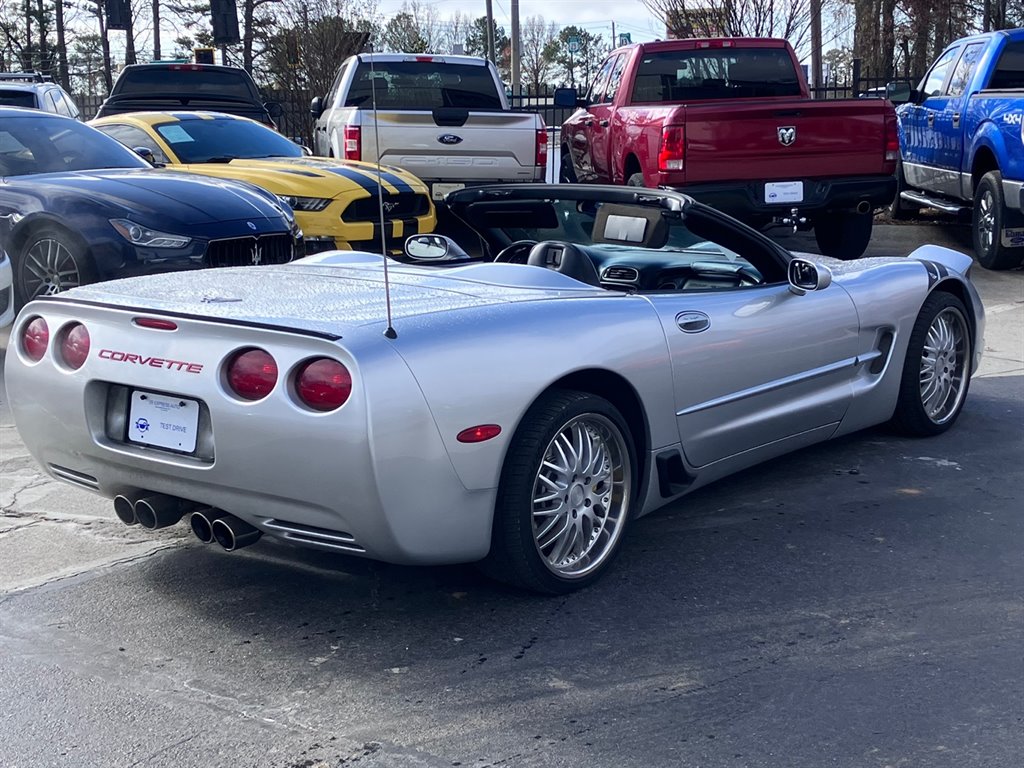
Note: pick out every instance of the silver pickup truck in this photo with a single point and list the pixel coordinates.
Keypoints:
(444, 118)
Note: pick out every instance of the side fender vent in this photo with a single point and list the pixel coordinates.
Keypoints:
(673, 478)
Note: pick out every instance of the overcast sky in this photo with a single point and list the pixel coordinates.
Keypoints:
(594, 15)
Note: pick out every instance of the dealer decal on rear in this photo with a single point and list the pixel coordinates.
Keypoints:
(153, 362)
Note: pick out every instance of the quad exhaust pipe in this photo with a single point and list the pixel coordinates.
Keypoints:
(226, 529)
(151, 510)
(157, 510)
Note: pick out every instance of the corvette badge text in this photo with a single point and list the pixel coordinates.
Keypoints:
(155, 362)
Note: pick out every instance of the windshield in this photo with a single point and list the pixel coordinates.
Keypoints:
(48, 144)
(13, 97)
(204, 141)
(198, 82)
(715, 73)
(423, 85)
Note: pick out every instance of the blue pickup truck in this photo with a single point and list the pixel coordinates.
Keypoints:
(962, 142)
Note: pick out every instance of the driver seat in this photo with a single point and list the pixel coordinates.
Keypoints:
(566, 258)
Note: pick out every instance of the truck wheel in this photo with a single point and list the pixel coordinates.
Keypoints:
(565, 495)
(843, 234)
(936, 370)
(900, 210)
(989, 218)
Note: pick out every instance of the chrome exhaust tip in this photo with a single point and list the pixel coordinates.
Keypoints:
(201, 523)
(232, 533)
(160, 511)
(863, 207)
(124, 508)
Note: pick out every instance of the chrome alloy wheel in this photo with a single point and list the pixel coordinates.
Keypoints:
(986, 226)
(944, 365)
(49, 268)
(581, 495)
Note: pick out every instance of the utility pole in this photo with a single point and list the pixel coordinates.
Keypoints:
(816, 42)
(615, 40)
(156, 30)
(489, 42)
(516, 47)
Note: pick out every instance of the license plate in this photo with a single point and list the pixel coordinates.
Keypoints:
(438, 191)
(784, 192)
(163, 421)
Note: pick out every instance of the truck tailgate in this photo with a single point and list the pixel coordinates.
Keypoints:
(488, 147)
(752, 140)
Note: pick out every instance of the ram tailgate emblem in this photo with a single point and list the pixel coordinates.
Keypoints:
(787, 135)
(449, 138)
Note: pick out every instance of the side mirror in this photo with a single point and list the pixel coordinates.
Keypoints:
(566, 97)
(316, 107)
(274, 109)
(146, 154)
(433, 248)
(898, 91)
(806, 276)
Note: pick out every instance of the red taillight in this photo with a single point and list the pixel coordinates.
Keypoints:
(35, 339)
(542, 147)
(323, 384)
(252, 374)
(74, 346)
(478, 433)
(714, 44)
(892, 139)
(673, 145)
(353, 148)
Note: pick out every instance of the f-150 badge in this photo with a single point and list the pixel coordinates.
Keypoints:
(787, 135)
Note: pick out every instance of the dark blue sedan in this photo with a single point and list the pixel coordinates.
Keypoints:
(77, 206)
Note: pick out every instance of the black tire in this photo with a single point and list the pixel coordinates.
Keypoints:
(635, 180)
(524, 551)
(900, 210)
(937, 368)
(50, 261)
(989, 217)
(566, 173)
(843, 234)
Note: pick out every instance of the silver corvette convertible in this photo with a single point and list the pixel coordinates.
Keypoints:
(612, 350)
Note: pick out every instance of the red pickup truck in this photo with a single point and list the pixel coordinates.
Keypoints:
(730, 121)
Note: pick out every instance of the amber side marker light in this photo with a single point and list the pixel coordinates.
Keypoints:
(479, 433)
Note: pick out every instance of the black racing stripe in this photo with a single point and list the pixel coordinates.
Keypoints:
(391, 178)
(410, 227)
(366, 183)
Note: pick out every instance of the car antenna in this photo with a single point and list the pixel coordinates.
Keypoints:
(390, 331)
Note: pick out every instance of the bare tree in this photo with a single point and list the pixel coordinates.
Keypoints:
(537, 63)
(790, 19)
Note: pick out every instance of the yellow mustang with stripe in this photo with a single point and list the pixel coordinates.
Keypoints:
(335, 201)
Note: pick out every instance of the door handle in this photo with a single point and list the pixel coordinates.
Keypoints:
(603, 123)
(693, 321)
(931, 119)
(956, 119)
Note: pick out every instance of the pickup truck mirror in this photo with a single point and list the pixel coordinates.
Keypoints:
(274, 109)
(899, 91)
(316, 107)
(566, 97)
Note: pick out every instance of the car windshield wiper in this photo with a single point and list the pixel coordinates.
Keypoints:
(220, 159)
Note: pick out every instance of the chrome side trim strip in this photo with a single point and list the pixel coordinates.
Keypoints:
(71, 476)
(771, 386)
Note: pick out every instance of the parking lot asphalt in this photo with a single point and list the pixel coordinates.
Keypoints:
(860, 603)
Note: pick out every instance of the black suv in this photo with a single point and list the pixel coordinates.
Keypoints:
(165, 86)
(34, 90)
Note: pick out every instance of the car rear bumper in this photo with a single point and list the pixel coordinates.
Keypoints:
(746, 200)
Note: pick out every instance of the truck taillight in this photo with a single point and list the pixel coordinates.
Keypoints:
(542, 147)
(353, 148)
(892, 139)
(673, 145)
